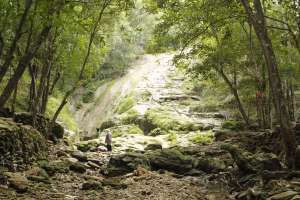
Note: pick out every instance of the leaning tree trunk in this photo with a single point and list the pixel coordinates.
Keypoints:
(258, 21)
(81, 74)
(236, 96)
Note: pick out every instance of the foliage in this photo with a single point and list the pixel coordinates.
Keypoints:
(66, 117)
(233, 125)
(202, 138)
(172, 137)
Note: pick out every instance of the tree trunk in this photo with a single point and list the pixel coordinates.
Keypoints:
(13, 46)
(258, 21)
(23, 63)
(236, 96)
(80, 77)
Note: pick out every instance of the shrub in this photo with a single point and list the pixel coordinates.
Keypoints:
(233, 125)
(202, 138)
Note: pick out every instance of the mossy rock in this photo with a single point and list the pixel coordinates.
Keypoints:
(20, 142)
(125, 163)
(233, 125)
(122, 130)
(78, 167)
(55, 167)
(166, 121)
(171, 160)
(130, 117)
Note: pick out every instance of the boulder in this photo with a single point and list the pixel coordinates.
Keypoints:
(125, 163)
(78, 167)
(55, 167)
(20, 143)
(42, 125)
(37, 174)
(80, 156)
(17, 181)
(114, 183)
(92, 185)
(209, 165)
(152, 147)
(171, 160)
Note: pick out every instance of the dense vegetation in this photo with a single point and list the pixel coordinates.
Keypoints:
(252, 47)
(48, 49)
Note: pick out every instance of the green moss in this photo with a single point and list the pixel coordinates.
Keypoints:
(166, 121)
(126, 104)
(129, 117)
(233, 125)
(65, 116)
(135, 130)
(172, 137)
(202, 138)
(119, 131)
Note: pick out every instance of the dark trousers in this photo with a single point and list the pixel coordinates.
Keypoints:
(109, 148)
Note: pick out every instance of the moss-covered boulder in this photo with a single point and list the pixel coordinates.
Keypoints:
(17, 181)
(41, 124)
(171, 160)
(55, 166)
(119, 131)
(20, 143)
(125, 163)
(167, 120)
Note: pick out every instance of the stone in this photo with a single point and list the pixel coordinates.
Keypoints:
(170, 160)
(78, 167)
(20, 142)
(71, 160)
(37, 174)
(194, 172)
(97, 162)
(209, 165)
(93, 165)
(151, 147)
(125, 163)
(17, 181)
(283, 196)
(92, 185)
(114, 183)
(38, 179)
(80, 156)
(55, 167)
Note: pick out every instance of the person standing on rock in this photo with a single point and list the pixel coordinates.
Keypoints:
(108, 140)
